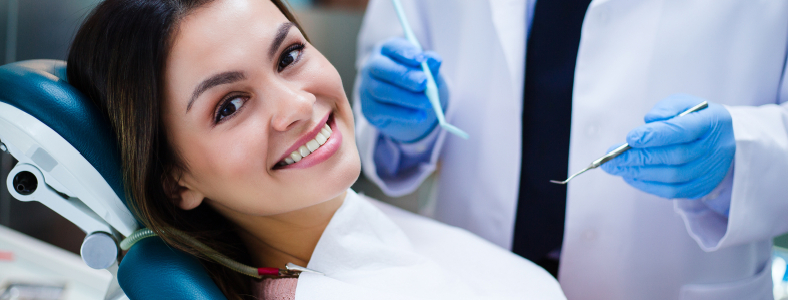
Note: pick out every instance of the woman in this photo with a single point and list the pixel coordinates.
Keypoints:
(236, 132)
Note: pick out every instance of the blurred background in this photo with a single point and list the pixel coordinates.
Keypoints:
(36, 29)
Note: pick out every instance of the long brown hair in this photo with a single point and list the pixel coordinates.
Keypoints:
(117, 59)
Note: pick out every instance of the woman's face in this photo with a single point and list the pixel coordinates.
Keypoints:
(244, 91)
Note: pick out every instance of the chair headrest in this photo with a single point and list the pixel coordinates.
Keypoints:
(39, 88)
(151, 269)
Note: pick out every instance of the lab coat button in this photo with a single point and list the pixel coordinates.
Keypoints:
(589, 235)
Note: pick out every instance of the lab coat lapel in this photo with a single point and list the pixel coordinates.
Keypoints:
(509, 20)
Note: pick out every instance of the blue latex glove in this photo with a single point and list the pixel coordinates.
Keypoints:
(684, 157)
(392, 91)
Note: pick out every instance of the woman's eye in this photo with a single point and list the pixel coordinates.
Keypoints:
(229, 108)
(290, 57)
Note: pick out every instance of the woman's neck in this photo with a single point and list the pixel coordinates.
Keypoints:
(274, 241)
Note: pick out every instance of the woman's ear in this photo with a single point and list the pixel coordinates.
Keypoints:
(190, 198)
(181, 193)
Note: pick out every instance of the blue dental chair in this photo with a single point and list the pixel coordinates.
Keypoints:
(68, 161)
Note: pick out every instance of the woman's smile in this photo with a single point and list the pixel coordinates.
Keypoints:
(314, 147)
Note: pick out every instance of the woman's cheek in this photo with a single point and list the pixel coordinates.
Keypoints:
(228, 168)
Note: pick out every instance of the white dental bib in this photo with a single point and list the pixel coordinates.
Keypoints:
(372, 250)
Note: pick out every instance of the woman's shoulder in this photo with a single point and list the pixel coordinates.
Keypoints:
(425, 229)
(422, 229)
(406, 220)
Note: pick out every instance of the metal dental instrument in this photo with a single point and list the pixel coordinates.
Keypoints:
(623, 148)
(296, 268)
(432, 88)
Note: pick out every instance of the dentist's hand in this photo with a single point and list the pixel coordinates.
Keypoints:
(683, 157)
(392, 91)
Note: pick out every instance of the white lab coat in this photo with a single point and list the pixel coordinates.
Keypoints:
(619, 243)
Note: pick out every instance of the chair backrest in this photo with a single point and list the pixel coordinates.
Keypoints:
(150, 269)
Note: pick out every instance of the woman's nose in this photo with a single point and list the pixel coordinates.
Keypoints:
(295, 106)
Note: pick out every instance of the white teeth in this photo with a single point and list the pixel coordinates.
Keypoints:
(295, 156)
(321, 139)
(304, 151)
(312, 145)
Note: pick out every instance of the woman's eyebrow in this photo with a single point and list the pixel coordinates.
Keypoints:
(281, 34)
(218, 79)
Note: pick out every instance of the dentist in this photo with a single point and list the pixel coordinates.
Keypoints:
(545, 87)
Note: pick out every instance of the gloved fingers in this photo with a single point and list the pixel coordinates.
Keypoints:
(388, 93)
(406, 77)
(689, 190)
(379, 120)
(443, 91)
(664, 173)
(665, 155)
(403, 52)
(674, 131)
(671, 106)
(378, 113)
(434, 61)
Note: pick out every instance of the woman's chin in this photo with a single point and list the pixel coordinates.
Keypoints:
(341, 175)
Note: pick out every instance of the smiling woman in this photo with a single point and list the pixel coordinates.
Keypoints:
(119, 59)
(236, 133)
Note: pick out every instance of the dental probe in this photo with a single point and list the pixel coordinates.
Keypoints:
(432, 87)
(290, 270)
(623, 148)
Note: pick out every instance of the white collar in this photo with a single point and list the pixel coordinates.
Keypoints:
(365, 254)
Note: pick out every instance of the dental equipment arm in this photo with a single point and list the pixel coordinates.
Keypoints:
(52, 133)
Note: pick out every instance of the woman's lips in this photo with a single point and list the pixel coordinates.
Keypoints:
(321, 154)
(306, 137)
